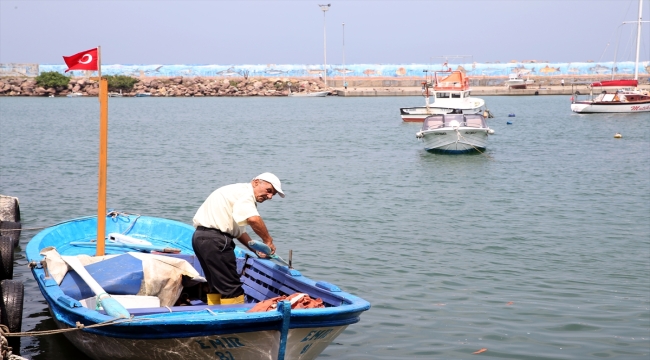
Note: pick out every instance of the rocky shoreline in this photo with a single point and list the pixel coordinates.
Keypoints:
(240, 86)
(173, 87)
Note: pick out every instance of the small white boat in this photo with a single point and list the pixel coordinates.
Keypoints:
(454, 133)
(451, 93)
(515, 81)
(620, 101)
(75, 94)
(115, 94)
(309, 94)
(144, 94)
(630, 100)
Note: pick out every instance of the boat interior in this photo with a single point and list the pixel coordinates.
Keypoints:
(262, 280)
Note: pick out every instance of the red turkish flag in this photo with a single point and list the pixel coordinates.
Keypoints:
(85, 60)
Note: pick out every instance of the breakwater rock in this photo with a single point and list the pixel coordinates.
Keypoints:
(174, 86)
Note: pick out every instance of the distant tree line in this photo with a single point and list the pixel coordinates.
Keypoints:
(53, 79)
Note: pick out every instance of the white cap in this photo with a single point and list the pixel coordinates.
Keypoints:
(273, 180)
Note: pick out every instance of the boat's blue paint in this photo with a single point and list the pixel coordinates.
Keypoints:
(285, 308)
(121, 275)
(341, 308)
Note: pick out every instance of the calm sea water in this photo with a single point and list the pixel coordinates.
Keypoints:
(537, 249)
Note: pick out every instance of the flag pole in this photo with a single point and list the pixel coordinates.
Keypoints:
(103, 156)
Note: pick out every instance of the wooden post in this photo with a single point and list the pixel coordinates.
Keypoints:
(103, 157)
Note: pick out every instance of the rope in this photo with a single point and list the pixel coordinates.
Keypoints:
(113, 214)
(78, 326)
(470, 144)
(39, 228)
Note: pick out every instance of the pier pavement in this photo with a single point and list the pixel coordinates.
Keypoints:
(502, 90)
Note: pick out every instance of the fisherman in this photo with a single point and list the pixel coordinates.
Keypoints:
(222, 217)
(562, 82)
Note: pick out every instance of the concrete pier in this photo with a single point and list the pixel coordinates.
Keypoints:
(475, 91)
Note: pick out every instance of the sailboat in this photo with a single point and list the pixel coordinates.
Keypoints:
(629, 100)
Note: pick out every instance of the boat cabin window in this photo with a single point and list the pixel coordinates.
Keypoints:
(466, 94)
(442, 95)
(451, 117)
(474, 120)
(433, 122)
(455, 95)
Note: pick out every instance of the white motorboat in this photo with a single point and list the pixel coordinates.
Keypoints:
(620, 101)
(454, 133)
(630, 100)
(451, 93)
(309, 94)
(75, 94)
(515, 81)
(115, 94)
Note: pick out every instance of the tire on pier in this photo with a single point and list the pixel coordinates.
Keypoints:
(6, 228)
(9, 208)
(11, 309)
(6, 258)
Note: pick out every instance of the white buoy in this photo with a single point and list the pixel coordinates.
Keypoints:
(618, 136)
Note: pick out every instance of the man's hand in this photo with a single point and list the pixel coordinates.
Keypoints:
(271, 245)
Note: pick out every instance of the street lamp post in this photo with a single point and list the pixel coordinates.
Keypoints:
(325, 8)
(344, 71)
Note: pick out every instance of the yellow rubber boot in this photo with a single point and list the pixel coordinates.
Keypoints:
(214, 299)
(236, 300)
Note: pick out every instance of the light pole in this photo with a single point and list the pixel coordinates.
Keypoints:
(325, 8)
(344, 71)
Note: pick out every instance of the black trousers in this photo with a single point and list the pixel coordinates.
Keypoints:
(216, 253)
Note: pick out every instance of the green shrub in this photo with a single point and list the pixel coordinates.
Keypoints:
(234, 82)
(52, 79)
(120, 82)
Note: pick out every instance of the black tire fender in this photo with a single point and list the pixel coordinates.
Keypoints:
(6, 258)
(6, 226)
(13, 292)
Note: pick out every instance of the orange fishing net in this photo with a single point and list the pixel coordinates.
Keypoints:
(298, 301)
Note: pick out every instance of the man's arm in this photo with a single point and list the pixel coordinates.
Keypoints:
(257, 224)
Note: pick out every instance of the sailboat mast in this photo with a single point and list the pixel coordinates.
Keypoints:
(638, 42)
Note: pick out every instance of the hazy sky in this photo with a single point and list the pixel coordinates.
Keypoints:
(291, 32)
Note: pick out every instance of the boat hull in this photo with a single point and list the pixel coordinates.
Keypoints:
(451, 141)
(313, 94)
(302, 344)
(590, 107)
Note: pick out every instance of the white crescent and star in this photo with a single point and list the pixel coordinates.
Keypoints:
(88, 57)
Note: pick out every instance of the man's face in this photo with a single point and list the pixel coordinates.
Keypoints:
(263, 190)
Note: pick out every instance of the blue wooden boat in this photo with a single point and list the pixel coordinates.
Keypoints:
(194, 331)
